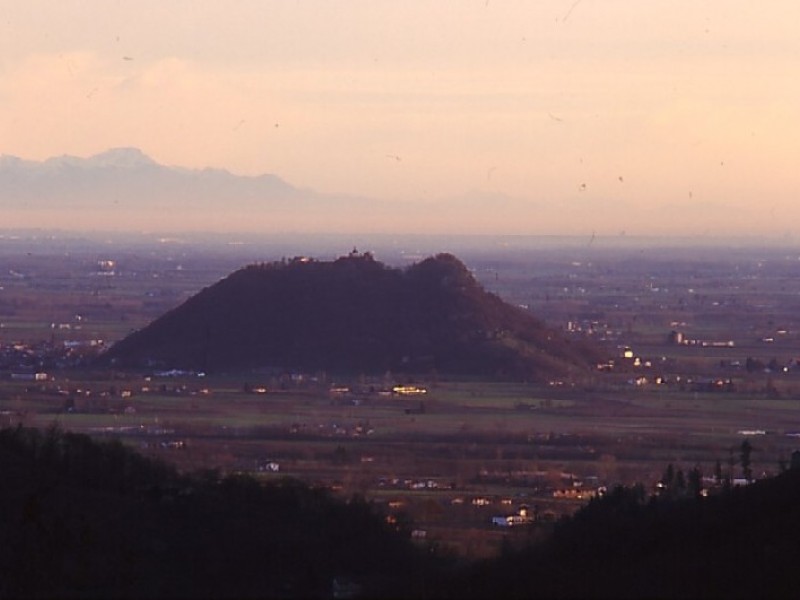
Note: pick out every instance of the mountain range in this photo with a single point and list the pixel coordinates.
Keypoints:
(123, 189)
(127, 175)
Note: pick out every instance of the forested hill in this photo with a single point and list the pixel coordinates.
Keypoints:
(741, 543)
(81, 518)
(354, 314)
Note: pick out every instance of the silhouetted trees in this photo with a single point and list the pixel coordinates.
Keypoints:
(735, 544)
(695, 482)
(85, 518)
(745, 450)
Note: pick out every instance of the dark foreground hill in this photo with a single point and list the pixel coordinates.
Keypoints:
(86, 519)
(354, 315)
(741, 543)
(80, 518)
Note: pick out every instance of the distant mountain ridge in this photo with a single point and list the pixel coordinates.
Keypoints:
(128, 177)
(122, 158)
(124, 189)
(354, 315)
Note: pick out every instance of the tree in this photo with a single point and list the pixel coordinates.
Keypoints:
(753, 365)
(794, 462)
(669, 476)
(731, 464)
(744, 458)
(695, 483)
(680, 484)
(782, 464)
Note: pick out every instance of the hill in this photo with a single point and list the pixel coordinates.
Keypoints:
(354, 315)
(82, 518)
(741, 543)
(88, 519)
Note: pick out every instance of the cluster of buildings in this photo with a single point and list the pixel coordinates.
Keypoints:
(23, 361)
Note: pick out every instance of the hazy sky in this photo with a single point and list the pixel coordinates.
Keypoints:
(636, 115)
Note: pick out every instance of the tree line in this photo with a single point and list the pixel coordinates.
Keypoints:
(87, 518)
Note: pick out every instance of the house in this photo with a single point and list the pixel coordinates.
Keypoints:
(409, 390)
(521, 518)
(28, 375)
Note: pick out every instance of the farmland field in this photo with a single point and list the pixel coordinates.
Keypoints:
(502, 446)
(465, 450)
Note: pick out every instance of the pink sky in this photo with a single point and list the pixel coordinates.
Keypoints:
(654, 116)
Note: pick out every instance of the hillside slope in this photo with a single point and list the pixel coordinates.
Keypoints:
(88, 519)
(357, 315)
(742, 543)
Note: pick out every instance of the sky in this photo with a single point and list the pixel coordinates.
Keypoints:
(604, 116)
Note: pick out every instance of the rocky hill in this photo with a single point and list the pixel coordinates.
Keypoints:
(355, 315)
